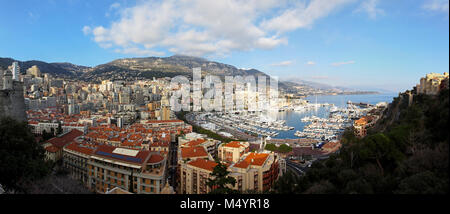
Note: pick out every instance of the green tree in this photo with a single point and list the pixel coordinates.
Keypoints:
(288, 183)
(21, 157)
(59, 130)
(271, 147)
(220, 180)
(46, 136)
(284, 148)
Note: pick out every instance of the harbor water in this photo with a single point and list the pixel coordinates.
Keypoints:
(293, 118)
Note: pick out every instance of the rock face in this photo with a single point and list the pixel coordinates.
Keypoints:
(12, 103)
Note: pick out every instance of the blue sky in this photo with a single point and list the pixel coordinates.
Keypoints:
(366, 44)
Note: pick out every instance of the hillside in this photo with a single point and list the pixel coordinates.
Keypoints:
(405, 153)
(173, 65)
(149, 67)
(56, 69)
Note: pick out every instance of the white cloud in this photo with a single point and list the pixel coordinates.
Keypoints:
(203, 27)
(87, 30)
(302, 15)
(284, 63)
(370, 7)
(343, 63)
(436, 5)
(310, 63)
(114, 6)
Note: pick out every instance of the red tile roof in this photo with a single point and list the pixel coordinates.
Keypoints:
(52, 149)
(155, 158)
(191, 152)
(203, 164)
(234, 144)
(106, 151)
(195, 142)
(61, 141)
(131, 143)
(85, 149)
(256, 159)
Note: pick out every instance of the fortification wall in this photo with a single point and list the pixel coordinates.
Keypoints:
(12, 103)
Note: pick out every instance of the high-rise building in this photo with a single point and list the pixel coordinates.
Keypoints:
(15, 71)
(120, 122)
(124, 98)
(73, 109)
(165, 113)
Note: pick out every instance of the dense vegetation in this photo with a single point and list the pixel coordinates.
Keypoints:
(57, 69)
(283, 148)
(220, 181)
(405, 153)
(21, 157)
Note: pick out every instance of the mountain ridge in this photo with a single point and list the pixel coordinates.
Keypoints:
(63, 69)
(149, 67)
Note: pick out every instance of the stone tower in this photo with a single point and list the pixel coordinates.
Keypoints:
(1, 78)
(12, 102)
(7, 80)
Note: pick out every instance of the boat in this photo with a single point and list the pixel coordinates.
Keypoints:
(334, 109)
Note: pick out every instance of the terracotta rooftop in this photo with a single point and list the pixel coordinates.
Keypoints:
(85, 149)
(52, 149)
(256, 159)
(234, 144)
(363, 120)
(195, 142)
(65, 139)
(131, 143)
(203, 164)
(155, 158)
(191, 152)
(106, 151)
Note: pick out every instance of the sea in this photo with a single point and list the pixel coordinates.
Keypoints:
(293, 118)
